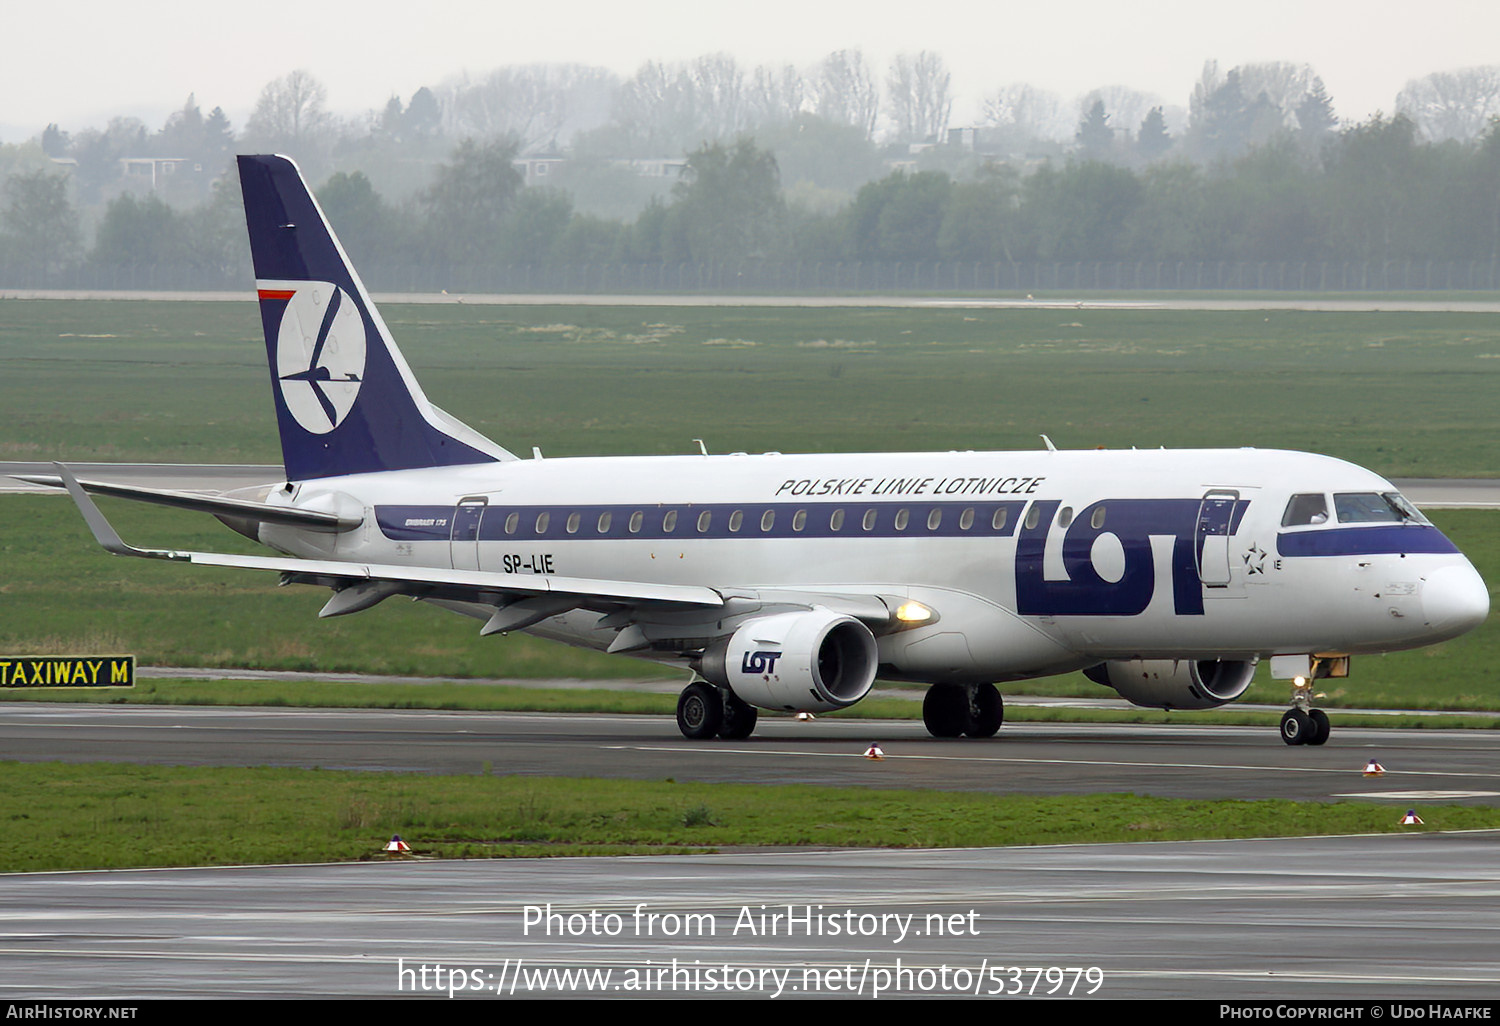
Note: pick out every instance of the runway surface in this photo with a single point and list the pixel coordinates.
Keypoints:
(1404, 917)
(1374, 303)
(1185, 761)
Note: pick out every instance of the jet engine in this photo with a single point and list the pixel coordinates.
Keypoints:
(815, 660)
(1176, 683)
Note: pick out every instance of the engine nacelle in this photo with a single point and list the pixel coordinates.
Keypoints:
(810, 661)
(1176, 683)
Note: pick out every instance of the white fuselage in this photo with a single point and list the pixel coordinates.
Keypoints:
(1033, 562)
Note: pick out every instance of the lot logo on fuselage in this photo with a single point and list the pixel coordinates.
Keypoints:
(320, 356)
(1103, 562)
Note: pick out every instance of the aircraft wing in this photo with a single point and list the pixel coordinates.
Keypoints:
(377, 581)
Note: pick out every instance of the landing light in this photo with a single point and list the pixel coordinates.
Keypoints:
(913, 612)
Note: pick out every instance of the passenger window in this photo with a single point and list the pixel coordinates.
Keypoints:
(1097, 520)
(934, 519)
(799, 520)
(703, 521)
(636, 519)
(604, 521)
(997, 522)
(836, 522)
(870, 516)
(1065, 517)
(1304, 510)
(669, 522)
(1033, 517)
(735, 520)
(966, 519)
(573, 521)
(541, 522)
(511, 522)
(902, 516)
(767, 519)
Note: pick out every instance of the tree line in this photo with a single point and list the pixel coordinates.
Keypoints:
(1259, 169)
(1374, 192)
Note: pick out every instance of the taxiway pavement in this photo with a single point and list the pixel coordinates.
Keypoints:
(1186, 761)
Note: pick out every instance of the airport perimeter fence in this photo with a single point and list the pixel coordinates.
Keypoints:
(761, 277)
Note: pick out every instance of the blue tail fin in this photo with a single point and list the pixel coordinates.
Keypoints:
(346, 401)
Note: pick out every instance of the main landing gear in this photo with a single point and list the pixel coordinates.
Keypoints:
(971, 710)
(1302, 724)
(705, 711)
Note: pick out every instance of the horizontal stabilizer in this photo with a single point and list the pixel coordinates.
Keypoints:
(244, 509)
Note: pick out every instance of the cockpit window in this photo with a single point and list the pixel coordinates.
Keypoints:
(1302, 510)
(1364, 508)
(1402, 505)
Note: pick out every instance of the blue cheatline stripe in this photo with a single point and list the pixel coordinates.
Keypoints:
(435, 523)
(1364, 541)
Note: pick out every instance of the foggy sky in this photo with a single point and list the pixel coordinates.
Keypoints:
(143, 59)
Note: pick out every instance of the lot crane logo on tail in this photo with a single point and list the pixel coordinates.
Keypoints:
(320, 355)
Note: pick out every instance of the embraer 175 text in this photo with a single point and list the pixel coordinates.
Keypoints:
(793, 582)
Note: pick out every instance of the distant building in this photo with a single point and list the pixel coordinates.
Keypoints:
(964, 138)
(654, 167)
(155, 170)
(538, 169)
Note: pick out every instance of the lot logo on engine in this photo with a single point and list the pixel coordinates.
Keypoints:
(759, 662)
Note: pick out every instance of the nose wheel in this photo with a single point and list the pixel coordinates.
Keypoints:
(1302, 724)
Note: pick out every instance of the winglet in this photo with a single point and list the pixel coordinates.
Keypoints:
(104, 533)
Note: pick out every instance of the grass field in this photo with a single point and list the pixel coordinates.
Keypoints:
(1404, 394)
(103, 816)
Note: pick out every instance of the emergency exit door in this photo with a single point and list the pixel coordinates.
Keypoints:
(464, 540)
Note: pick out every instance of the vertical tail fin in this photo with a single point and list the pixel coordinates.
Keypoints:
(346, 401)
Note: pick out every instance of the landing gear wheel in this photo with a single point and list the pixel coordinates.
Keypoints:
(945, 710)
(1320, 727)
(700, 711)
(739, 718)
(1296, 727)
(986, 711)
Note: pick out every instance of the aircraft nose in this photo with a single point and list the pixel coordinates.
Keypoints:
(1455, 600)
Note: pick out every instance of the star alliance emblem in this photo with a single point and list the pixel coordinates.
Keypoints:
(1255, 560)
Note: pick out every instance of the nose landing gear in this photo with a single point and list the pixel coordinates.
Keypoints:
(1302, 724)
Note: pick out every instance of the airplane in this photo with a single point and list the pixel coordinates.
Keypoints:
(792, 582)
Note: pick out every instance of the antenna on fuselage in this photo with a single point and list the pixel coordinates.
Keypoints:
(701, 447)
(1050, 446)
